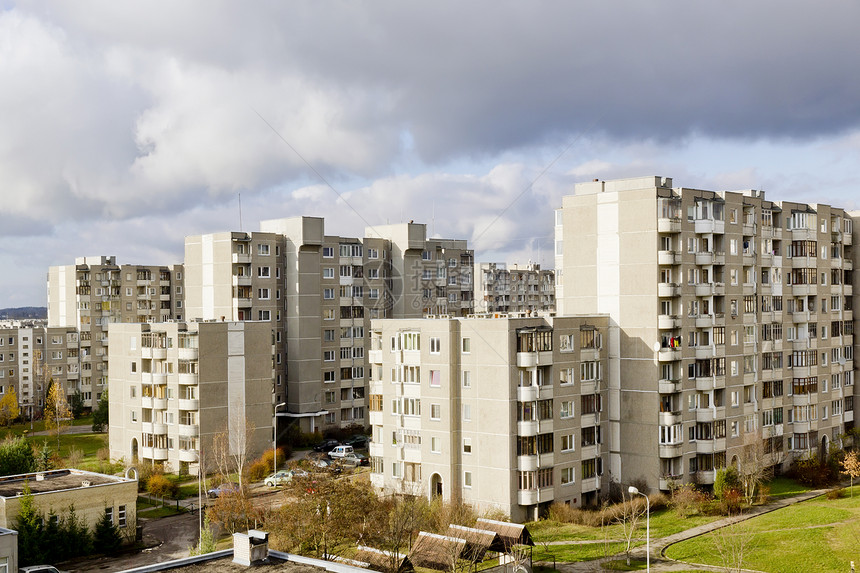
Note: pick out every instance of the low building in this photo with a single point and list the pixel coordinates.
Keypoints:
(500, 413)
(91, 494)
(8, 550)
(175, 386)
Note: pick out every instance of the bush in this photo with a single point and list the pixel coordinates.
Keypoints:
(727, 479)
(106, 536)
(563, 513)
(813, 472)
(16, 457)
(687, 501)
(159, 485)
(834, 493)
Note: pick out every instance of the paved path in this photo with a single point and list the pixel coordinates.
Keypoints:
(659, 562)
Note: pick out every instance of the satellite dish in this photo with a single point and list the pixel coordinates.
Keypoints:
(656, 347)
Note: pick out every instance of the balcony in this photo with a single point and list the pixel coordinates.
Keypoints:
(189, 430)
(526, 429)
(146, 402)
(532, 359)
(187, 379)
(671, 450)
(847, 239)
(189, 404)
(705, 383)
(705, 447)
(241, 280)
(719, 289)
(527, 497)
(848, 416)
(590, 484)
(668, 386)
(804, 290)
(159, 404)
(704, 414)
(668, 257)
(668, 482)
(527, 463)
(703, 352)
(668, 225)
(706, 477)
(704, 289)
(705, 258)
(242, 258)
(188, 353)
(668, 322)
(704, 320)
(154, 353)
(704, 225)
(374, 356)
(669, 354)
(587, 387)
(190, 456)
(803, 234)
(668, 289)
(848, 264)
(527, 393)
(667, 419)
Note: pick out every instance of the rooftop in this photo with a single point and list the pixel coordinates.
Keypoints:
(54, 480)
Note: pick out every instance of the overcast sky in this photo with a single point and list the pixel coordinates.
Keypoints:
(125, 126)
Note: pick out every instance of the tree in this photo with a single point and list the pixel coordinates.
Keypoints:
(851, 466)
(733, 544)
(57, 413)
(234, 512)
(106, 535)
(100, 414)
(30, 526)
(16, 456)
(758, 458)
(76, 404)
(632, 510)
(231, 447)
(9, 410)
(206, 544)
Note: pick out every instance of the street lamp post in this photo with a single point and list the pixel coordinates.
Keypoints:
(275, 437)
(633, 491)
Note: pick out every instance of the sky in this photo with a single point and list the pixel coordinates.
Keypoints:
(125, 126)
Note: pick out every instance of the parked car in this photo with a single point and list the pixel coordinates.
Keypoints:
(354, 460)
(283, 477)
(327, 465)
(223, 489)
(340, 451)
(358, 441)
(278, 478)
(39, 569)
(326, 445)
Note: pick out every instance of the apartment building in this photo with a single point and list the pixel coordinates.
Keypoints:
(96, 292)
(732, 325)
(175, 386)
(31, 357)
(500, 413)
(499, 289)
(320, 293)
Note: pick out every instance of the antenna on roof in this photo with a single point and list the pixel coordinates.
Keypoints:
(240, 212)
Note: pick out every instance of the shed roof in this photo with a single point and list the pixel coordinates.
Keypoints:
(436, 551)
(510, 533)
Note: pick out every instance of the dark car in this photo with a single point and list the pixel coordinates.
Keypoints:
(353, 460)
(358, 441)
(326, 446)
(223, 489)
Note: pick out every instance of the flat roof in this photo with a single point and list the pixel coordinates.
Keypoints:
(54, 480)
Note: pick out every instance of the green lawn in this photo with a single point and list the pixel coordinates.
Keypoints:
(817, 535)
(39, 426)
(784, 487)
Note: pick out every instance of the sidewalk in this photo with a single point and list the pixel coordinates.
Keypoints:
(659, 562)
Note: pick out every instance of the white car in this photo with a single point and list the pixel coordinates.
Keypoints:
(341, 451)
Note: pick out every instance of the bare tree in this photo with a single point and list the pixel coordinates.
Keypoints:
(57, 412)
(732, 545)
(757, 460)
(632, 509)
(231, 447)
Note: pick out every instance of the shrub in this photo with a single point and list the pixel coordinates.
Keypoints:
(687, 501)
(813, 472)
(731, 501)
(763, 493)
(159, 485)
(834, 493)
(726, 480)
(16, 457)
(106, 536)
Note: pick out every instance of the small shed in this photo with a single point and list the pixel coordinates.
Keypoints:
(511, 534)
(478, 541)
(381, 560)
(435, 551)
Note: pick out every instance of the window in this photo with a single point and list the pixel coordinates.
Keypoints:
(263, 250)
(121, 516)
(328, 376)
(264, 315)
(109, 513)
(328, 294)
(467, 345)
(467, 479)
(467, 412)
(263, 272)
(435, 445)
(568, 476)
(467, 379)
(435, 345)
(566, 409)
(435, 378)
(567, 443)
(435, 412)
(467, 445)
(328, 272)
(328, 253)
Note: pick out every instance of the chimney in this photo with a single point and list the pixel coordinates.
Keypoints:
(250, 548)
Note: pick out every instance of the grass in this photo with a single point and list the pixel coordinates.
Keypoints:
(816, 535)
(23, 428)
(159, 512)
(785, 487)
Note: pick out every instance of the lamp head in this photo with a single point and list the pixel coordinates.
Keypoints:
(632, 489)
